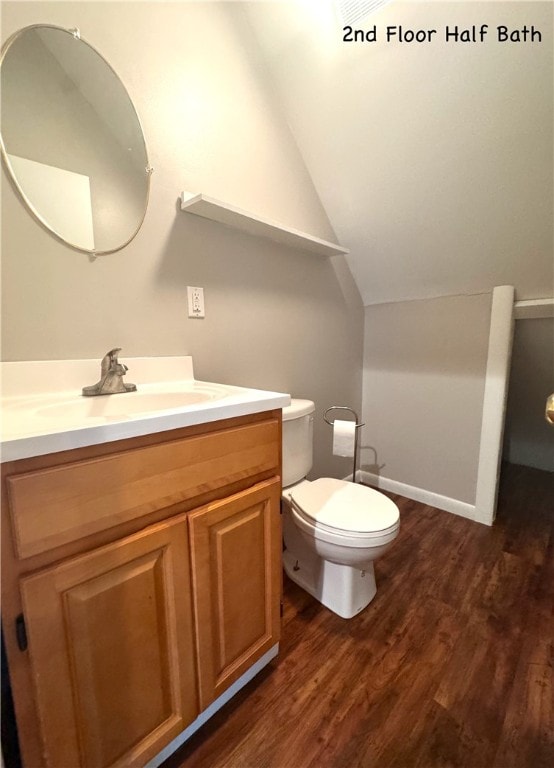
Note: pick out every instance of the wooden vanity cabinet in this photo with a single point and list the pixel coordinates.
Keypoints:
(116, 641)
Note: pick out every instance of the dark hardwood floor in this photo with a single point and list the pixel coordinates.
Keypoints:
(450, 665)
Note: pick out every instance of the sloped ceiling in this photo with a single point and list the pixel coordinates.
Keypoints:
(433, 160)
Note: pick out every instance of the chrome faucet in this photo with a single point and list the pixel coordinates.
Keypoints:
(111, 377)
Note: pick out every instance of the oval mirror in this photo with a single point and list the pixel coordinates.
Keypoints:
(71, 139)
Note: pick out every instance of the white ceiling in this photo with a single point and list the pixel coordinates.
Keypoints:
(434, 160)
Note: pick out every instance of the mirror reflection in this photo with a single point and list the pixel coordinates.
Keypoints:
(72, 140)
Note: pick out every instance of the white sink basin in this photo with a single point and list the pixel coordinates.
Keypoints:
(63, 411)
(129, 404)
(43, 410)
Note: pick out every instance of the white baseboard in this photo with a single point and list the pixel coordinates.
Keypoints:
(213, 708)
(456, 507)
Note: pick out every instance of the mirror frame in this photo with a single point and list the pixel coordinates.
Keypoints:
(148, 170)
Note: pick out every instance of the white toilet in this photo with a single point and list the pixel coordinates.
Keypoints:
(333, 529)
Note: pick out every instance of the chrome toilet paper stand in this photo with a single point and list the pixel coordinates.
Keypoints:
(358, 425)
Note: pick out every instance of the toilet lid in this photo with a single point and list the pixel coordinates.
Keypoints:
(345, 506)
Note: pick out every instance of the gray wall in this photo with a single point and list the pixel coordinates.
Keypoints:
(424, 377)
(528, 438)
(275, 318)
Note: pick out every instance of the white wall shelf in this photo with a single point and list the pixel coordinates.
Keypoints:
(209, 208)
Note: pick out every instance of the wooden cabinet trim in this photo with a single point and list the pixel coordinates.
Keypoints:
(56, 505)
(118, 446)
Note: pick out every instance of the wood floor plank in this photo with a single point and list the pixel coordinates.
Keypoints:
(526, 738)
(449, 667)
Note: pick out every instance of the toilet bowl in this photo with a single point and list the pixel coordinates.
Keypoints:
(333, 530)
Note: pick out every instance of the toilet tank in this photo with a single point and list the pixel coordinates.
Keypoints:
(298, 432)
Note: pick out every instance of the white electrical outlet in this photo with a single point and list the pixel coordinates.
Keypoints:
(195, 298)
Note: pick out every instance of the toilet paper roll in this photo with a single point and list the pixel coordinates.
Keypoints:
(344, 434)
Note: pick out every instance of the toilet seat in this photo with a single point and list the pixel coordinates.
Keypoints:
(343, 512)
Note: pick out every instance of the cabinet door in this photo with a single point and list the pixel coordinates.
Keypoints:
(236, 566)
(111, 647)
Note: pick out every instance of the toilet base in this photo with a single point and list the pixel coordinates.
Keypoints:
(344, 590)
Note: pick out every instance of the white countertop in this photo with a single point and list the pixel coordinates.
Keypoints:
(43, 410)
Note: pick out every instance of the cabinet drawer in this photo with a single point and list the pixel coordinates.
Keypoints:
(57, 505)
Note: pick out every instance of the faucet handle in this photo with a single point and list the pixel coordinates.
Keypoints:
(113, 353)
(109, 360)
(114, 365)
